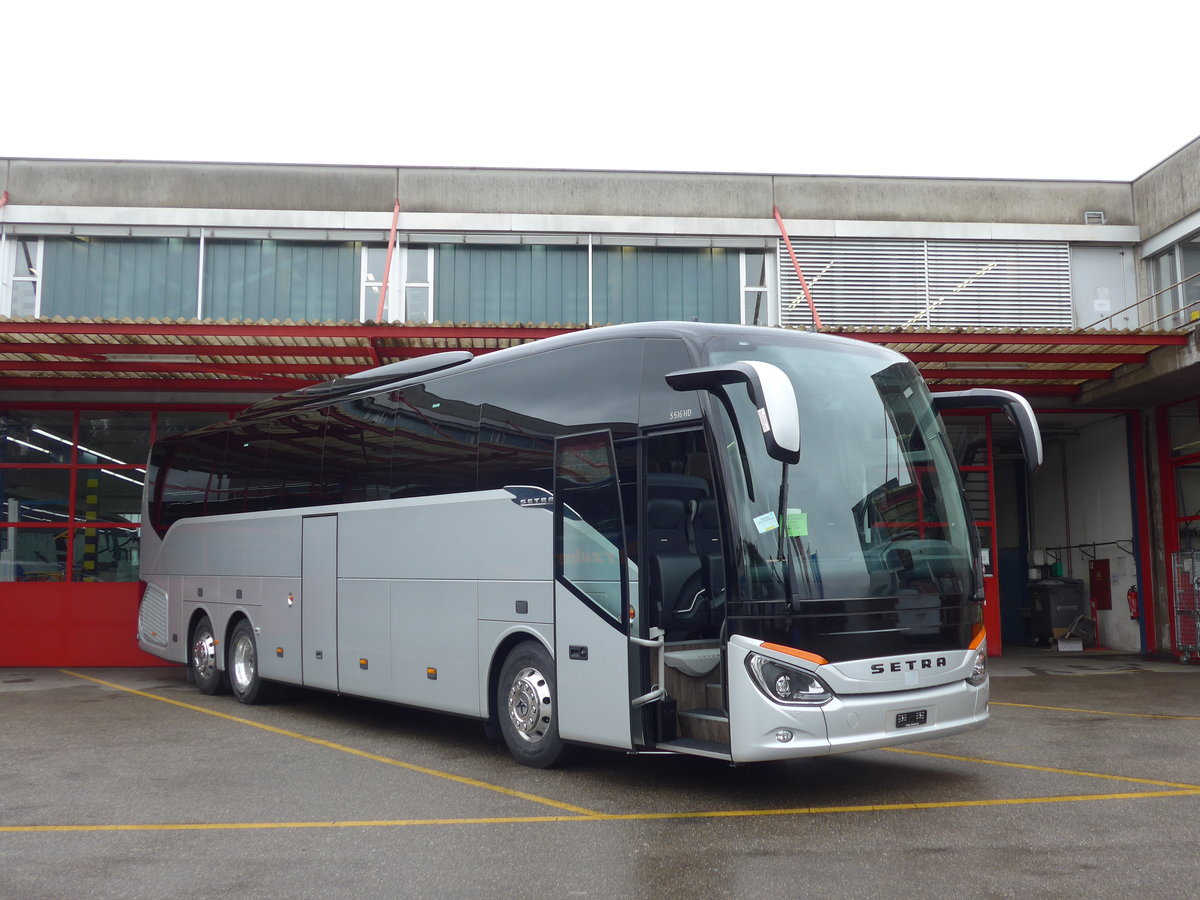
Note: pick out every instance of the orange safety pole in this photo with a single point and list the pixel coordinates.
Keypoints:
(812, 307)
(387, 264)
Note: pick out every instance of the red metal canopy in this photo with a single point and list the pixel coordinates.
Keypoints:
(199, 356)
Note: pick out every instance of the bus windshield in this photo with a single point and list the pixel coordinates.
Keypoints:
(864, 547)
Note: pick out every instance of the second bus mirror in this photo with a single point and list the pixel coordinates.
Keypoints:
(771, 392)
(1016, 407)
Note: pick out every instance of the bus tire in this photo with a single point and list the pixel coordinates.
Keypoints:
(526, 699)
(241, 664)
(202, 659)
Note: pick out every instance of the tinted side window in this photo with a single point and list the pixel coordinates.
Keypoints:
(436, 441)
(189, 468)
(515, 449)
(358, 449)
(241, 489)
(290, 470)
(660, 404)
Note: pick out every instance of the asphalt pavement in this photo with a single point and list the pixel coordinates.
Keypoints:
(129, 783)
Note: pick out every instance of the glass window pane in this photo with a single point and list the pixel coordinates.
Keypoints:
(376, 259)
(105, 554)
(1183, 421)
(586, 486)
(1162, 275)
(35, 436)
(168, 423)
(120, 438)
(756, 269)
(25, 261)
(968, 439)
(418, 265)
(1191, 270)
(756, 307)
(418, 304)
(1187, 481)
(1189, 535)
(975, 487)
(24, 298)
(436, 442)
(371, 302)
(32, 554)
(108, 495)
(35, 495)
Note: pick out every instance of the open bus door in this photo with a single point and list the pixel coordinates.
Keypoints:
(596, 601)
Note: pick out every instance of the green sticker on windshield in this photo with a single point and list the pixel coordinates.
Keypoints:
(797, 523)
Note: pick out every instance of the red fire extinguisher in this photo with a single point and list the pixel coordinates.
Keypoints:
(1132, 597)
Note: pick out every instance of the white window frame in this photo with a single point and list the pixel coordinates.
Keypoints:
(396, 307)
(390, 310)
(428, 283)
(8, 263)
(751, 292)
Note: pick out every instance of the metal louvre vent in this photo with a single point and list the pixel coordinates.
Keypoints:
(928, 284)
(152, 616)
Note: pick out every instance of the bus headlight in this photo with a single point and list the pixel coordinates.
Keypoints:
(785, 684)
(979, 674)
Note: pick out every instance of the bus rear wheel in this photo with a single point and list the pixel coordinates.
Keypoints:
(526, 697)
(202, 661)
(242, 665)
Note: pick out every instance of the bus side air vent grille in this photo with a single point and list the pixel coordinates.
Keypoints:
(152, 616)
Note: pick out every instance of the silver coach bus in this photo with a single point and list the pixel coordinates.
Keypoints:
(736, 542)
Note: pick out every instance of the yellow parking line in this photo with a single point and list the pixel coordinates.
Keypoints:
(412, 767)
(1187, 788)
(1097, 712)
(608, 817)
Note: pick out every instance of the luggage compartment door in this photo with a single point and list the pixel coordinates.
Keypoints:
(318, 602)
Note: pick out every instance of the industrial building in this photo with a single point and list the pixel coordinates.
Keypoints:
(138, 299)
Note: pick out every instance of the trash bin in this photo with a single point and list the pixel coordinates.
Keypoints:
(1057, 603)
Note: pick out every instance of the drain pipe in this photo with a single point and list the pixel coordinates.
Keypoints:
(787, 241)
(387, 263)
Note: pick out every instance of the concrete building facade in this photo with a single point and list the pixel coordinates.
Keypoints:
(141, 298)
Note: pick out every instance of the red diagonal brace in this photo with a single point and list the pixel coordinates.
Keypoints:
(787, 241)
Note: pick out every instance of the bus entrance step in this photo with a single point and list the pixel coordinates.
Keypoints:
(712, 715)
(709, 725)
(694, 747)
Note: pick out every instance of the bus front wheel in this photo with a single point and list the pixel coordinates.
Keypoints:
(525, 701)
(203, 659)
(242, 665)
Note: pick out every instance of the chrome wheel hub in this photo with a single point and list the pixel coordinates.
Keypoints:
(529, 705)
(204, 655)
(242, 665)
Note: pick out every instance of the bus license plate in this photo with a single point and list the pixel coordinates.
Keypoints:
(914, 717)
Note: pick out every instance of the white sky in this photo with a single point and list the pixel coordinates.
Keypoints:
(1013, 89)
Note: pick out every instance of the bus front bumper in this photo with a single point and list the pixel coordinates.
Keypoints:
(763, 729)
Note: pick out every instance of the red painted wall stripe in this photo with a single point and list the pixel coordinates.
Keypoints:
(71, 624)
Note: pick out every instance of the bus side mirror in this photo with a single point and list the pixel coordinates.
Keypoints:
(771, 392)
(1015, 406)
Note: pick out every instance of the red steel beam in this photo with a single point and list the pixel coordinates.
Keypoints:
(1099, 340)
(362, 332)
(1027, 390)
(94, 351)
(201, 368)
(1086, 358)
(1009, 374)
(274, 385)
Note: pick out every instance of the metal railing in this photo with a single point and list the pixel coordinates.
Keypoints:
(1187, 313)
